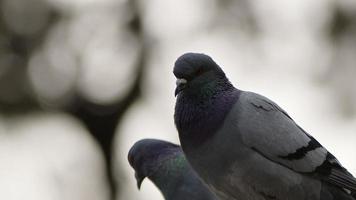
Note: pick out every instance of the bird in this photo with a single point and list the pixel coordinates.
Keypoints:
(244, 146)
(166, 166)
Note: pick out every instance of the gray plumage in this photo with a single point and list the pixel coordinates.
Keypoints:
(165, 165)
(244, 146)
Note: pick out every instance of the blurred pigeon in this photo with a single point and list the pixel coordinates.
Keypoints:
(244, 146)
(165, 165)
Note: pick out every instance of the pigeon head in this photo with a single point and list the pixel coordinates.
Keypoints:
(146, 156)
(196, 71)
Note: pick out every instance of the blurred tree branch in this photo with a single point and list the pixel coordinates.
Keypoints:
(102, 120)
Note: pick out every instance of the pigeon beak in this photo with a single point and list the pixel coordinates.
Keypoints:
(180, 83)
(139, 179)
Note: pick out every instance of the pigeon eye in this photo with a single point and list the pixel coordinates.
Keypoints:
(199, 72)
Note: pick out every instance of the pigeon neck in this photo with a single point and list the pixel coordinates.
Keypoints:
(198, 117)
(170, 174)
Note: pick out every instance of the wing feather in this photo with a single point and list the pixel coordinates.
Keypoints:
(270, 131)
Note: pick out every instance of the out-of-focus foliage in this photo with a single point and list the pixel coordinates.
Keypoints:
(343, 67)
(84, 59)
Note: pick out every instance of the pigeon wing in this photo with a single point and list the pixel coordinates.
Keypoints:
(269, 130)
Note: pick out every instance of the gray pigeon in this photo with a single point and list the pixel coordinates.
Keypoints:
(165, 165)
(244, 146)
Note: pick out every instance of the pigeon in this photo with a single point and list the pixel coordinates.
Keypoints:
(165, 165)
(244, 146)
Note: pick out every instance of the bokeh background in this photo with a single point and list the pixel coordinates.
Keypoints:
(82, 80)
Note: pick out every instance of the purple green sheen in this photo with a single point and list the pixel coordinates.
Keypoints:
(166, 166)
(206, 100)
